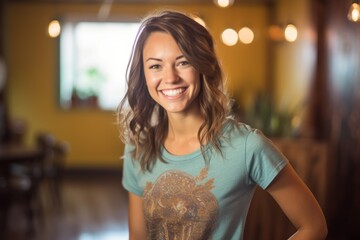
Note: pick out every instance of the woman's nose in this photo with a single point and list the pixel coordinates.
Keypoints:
(171, 75)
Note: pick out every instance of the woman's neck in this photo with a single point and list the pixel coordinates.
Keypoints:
(182, 137)
(184, 126)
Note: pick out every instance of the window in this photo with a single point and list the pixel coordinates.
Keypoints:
(93, 62)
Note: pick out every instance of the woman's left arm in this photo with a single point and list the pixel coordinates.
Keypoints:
(299, 205)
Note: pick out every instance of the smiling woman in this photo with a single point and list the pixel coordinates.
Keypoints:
(172, 82)
(192, 173)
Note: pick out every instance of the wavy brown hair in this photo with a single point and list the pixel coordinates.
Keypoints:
(143, 123)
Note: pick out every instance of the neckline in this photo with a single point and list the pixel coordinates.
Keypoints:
(176, 158)
(190, 156)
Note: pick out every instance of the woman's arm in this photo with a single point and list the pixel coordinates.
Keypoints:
(299, 205)
(137, 224)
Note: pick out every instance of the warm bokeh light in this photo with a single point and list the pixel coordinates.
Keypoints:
(229, 37)
(54, 29)
(246, 35)
(354, 12)
(291, 33)
(276, 33)
(199, 20)
(224, 3)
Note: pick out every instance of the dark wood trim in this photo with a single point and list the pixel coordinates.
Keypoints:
(88, 171)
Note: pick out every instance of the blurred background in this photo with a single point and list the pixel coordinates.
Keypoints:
(292, 68)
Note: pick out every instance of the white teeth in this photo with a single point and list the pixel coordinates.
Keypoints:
(172, 92)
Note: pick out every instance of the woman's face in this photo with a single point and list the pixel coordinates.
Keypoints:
(171, 80)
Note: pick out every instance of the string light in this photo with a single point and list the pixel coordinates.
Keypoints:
(54, 28)
(290, 33)
(229, 37)
(224, 3)
(199, 20)
(246, 35)
(354, 12)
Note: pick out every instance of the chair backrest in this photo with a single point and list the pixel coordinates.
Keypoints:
(46, 142)
(18, 130)
(61, 148)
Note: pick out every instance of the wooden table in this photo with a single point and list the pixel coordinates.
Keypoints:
(18, 153)
(9, 156)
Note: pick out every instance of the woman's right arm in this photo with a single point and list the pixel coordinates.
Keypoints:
(137, 223)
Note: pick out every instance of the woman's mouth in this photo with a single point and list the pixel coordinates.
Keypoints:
(173, 92)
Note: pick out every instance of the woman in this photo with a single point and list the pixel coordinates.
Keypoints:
(189, 167)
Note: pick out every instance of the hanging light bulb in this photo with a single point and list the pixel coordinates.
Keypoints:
(354, 12)
(224, 3)
(199, 20)
(229, 37)
(290, 33)
(54, 28)
(246, 35)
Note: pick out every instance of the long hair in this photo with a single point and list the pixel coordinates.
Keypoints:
(143, 123)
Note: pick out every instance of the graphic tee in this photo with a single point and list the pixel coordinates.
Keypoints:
(190, 198)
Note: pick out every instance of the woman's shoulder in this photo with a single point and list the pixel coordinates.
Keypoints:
(235, 126)
(234, 129)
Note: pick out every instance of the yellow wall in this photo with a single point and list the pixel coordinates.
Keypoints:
(294, 63)
(32, 61)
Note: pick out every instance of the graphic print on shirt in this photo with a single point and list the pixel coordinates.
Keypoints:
(180, 206)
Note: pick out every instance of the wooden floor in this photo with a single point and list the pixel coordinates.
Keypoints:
(94, 208)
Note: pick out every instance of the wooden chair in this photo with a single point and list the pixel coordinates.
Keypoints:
(20, 185)
(24, 181)
(54, 171)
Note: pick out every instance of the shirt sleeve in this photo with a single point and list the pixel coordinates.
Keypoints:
(263, 159)
(130, 172)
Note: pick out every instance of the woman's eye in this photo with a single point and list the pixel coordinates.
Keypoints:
(183, 63)
(155, 66)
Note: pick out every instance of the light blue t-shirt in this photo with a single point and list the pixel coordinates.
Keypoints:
(186, 198)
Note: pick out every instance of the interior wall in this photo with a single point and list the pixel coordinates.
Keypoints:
(294, 63)
(32, 59)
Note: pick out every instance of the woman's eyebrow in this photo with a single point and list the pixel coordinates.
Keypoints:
(155, 59)
(160, 60)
